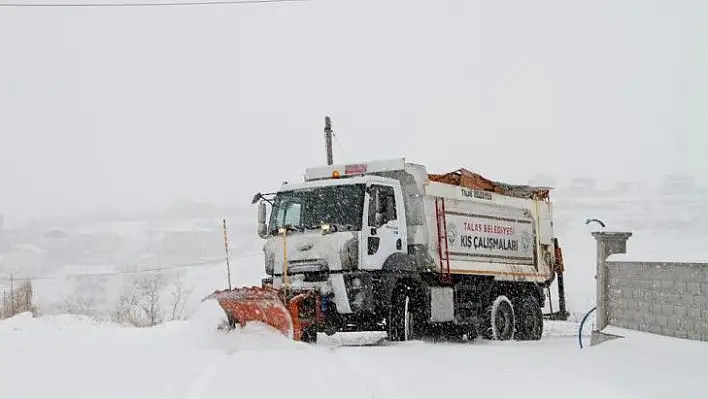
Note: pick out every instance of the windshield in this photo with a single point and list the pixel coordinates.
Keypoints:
(341, 206)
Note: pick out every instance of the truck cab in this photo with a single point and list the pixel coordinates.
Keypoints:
(330, 234)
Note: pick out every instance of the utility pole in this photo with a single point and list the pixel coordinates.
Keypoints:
(328, 139)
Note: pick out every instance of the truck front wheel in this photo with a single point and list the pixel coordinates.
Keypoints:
(405, 322)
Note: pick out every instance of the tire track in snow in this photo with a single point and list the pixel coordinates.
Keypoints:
(194, 385)
(198, 387)
(302, 372)
(370, 381)
(327, 376)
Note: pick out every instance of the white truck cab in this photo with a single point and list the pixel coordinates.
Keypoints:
(333, 227)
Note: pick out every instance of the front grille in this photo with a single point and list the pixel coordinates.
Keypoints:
(316, 277)
(307, 266)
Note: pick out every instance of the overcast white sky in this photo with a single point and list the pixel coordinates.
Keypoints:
(116, 107)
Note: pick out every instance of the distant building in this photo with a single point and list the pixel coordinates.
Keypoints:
(630, 188)
(583, 183)
(678, 184)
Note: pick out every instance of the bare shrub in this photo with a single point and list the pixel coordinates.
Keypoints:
(125, 312)
(18, 300)
(178, 300)
(139, 304)
(149, 299)
(76, 304)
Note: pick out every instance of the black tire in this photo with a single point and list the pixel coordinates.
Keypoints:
(405, 322)
(309, 335)
(529, 319)
(500, 320)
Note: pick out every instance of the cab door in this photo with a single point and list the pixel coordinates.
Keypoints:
(384, 229)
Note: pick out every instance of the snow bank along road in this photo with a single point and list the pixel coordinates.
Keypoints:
(73, 357)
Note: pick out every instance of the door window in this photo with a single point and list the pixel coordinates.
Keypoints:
(382, 201)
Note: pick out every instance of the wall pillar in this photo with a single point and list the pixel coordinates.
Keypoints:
(608, 243)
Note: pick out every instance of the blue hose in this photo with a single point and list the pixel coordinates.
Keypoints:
(580, 330)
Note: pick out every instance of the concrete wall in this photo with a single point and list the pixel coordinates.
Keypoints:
(663, 298)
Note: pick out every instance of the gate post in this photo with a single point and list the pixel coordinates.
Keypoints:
(608, 243)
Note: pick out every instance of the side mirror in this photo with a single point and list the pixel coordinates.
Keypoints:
(262, 229)
(256, 197)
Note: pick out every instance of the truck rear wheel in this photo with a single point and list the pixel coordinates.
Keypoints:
(501, 319)
(529, 319)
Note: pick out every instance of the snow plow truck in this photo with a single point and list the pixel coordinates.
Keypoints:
(386, 246)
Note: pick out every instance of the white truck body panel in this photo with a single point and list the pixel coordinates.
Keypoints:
(491, 234)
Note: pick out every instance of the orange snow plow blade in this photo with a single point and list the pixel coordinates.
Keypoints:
(267, 305)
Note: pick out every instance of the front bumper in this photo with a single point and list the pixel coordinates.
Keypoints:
(349, 291)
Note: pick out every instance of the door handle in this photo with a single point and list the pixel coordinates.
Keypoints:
(398, 244)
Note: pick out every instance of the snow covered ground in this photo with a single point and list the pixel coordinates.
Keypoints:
(71, 356)
(75, 356)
